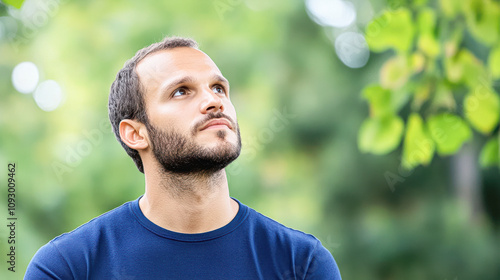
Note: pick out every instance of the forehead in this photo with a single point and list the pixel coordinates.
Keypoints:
(167, 64)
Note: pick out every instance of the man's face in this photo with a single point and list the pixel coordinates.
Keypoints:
(192, 123)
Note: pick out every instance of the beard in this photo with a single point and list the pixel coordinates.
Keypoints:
(179, 154)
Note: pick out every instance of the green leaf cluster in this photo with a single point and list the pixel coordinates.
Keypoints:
(446, 82)
(14, 3)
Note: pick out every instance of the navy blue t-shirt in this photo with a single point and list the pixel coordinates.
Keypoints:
(124, 244)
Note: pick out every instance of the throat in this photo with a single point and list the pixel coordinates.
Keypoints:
(193, 203)
(195, 186)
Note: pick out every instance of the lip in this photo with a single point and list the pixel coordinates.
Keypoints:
(216, 123)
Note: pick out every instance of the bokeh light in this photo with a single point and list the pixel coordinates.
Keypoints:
(48, 95)
(25, 77)
(336, 13)
(352, 49)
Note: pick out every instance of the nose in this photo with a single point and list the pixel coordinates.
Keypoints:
(211, 102)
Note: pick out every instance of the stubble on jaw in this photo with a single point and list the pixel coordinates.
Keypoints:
(184, 166)
(178, 154)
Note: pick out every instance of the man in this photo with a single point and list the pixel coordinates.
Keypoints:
(170, 109)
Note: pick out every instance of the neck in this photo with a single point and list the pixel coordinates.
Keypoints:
(188, 203)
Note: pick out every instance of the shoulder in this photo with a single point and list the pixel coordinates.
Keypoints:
(67, 254)
(311, 259)
(273, 229)
(95, 227)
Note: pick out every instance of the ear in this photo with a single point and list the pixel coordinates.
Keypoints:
(134, 134)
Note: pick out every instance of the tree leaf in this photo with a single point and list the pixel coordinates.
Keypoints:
(380, 135)
(443, 98)
(428, 44)
(392, 29)
(384, 102)
(454, 40)
(450, 7)
(464, 67)
(379, 100)
(454, 70)
(449, 132)
(494, 62)
(426, 20)
(490, 153)
(419, 3)
(418, 146)
(482, 108)
(15, 3)
(483, 20)
(417, 61)
(395, 72)
(422, 93)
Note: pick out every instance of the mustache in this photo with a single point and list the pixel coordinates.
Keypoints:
(212, 115)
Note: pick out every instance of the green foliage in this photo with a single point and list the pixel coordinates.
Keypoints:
(382, 31)
(418, 145)
(494, 63)
(427, 42)
(395, 73)
(434, 64)
(449, 132)
(483, 18)
(381, 103)
(490, 155)
(380, 135)
(15, 3)
(482, 109)
(450, 8)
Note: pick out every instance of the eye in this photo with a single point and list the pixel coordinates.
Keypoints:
(219, 89)
(179, 92)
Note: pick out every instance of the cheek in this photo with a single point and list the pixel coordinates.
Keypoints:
(169, 119)
(229, 110)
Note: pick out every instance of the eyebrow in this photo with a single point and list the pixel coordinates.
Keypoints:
(220, 78)
(191, 79)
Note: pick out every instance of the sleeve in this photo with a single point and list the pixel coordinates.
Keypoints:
(322, 265)
(48, 263)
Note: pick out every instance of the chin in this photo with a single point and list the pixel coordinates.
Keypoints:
(222, 145)
(218, 136)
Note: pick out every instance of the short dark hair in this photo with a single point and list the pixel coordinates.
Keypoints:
(126, 97)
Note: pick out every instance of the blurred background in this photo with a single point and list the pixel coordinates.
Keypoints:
(371, 124)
